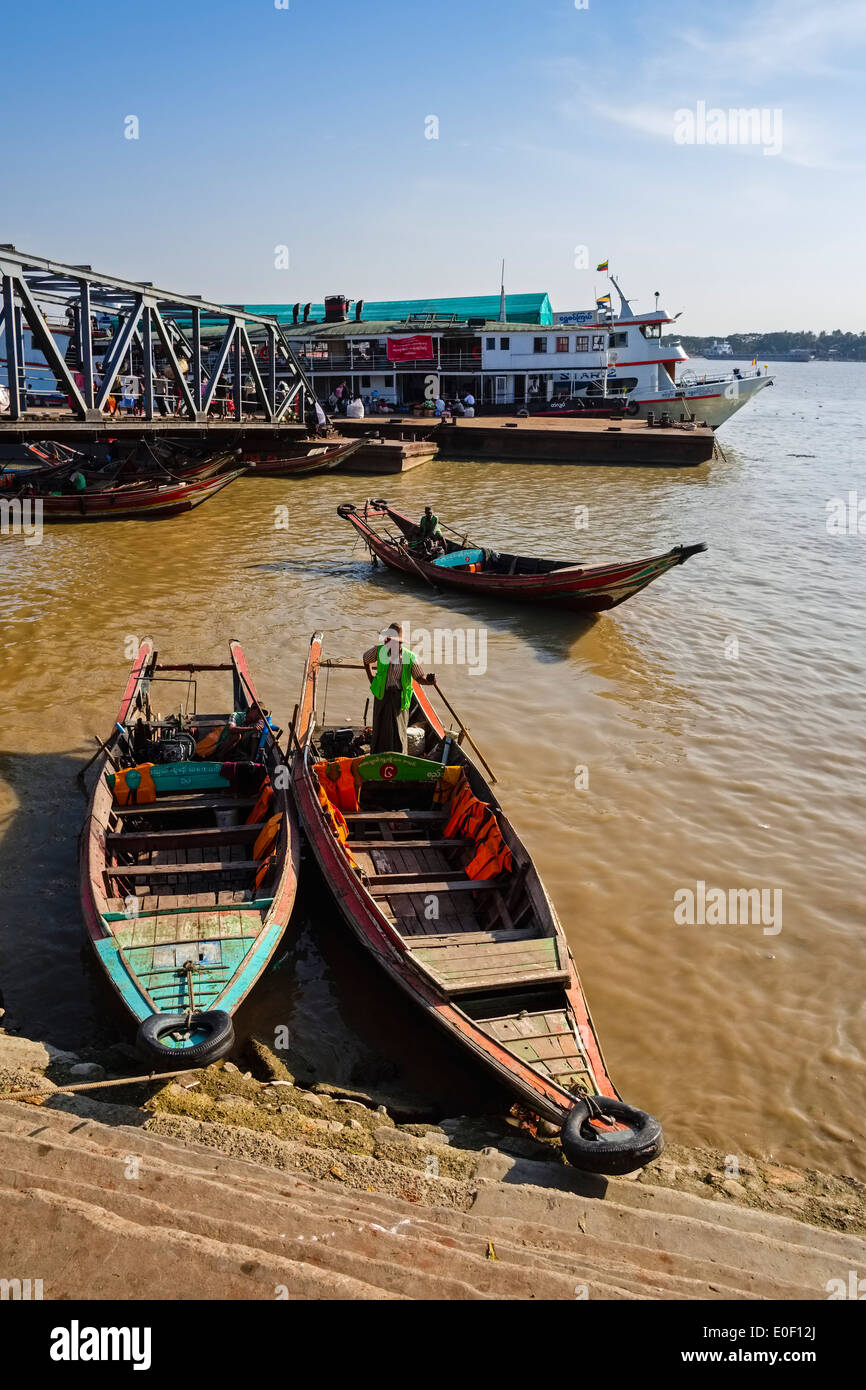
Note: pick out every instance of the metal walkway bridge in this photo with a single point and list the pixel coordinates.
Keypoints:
(213, 355)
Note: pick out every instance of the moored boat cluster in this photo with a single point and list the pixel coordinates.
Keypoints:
(191, 853)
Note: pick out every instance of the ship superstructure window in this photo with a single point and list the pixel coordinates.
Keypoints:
(581, 343)
(504, 344)
(539, 345)
(617, 340)
(491, 344)
(651, 330)
(562, 343)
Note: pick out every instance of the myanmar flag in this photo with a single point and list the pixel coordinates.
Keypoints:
(603, 266)
(605, 299)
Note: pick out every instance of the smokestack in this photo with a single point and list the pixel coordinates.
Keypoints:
(336, 306)
(296, 309)
(307, 308)
(358, 307)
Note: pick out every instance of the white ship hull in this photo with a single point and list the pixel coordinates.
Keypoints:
(713, 401)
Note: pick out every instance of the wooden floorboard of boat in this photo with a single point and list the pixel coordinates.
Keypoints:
(544, 1040)
(461, 967)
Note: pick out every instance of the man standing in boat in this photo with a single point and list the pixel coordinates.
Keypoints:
(391, 686)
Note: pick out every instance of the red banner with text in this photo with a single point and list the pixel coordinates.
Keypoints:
(417, 348)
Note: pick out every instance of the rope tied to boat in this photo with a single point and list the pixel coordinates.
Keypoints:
(188, 969)
(592, 1105)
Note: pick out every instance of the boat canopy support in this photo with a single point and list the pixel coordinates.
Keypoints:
(251, 345)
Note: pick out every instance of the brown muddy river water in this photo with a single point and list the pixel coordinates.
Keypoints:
(719, 718)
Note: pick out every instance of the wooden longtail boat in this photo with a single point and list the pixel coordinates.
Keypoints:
(303, 459)
(49, 474)
(401, 840)
(526, 579)
(145, 500)
(189, 859)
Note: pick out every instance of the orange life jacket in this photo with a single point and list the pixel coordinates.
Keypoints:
(265, 839)
(267, 835)
(213, 740)
(138, 789)
(492, 857)
(262, 806)
(444, 787)
(468, 815)
(337, 822)
(338, 779)
(457, 805)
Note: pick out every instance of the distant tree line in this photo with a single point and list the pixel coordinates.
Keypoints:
(847, 347)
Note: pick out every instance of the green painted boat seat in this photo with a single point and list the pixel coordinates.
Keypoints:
(396, 767)
(150, 780)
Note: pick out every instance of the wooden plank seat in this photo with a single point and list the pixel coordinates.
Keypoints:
(461, 967)
(188, 801)
(410, 877)
(165, 905)
(401, 887)
(398, 816)
(408, 844)
(143, 841)
(475, 937)
(155, 871)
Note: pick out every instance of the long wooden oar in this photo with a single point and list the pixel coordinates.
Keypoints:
(447, 703)
(102, 748)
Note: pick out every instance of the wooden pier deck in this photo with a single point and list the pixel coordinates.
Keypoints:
(624, 443)
(404, 442)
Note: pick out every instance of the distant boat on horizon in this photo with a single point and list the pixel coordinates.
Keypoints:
(721, 348)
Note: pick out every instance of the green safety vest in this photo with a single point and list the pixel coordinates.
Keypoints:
(429, 524)
(377, 685)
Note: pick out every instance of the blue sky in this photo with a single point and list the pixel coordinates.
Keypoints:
(305, 127)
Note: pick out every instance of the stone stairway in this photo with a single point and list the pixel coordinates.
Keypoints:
(113, 1210)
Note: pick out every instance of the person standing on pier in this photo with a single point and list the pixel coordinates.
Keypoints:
(391, 687)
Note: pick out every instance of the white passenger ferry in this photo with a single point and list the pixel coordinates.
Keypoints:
(594, 355)
(559, 363)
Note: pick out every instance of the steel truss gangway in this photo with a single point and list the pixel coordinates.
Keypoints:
(222, 344)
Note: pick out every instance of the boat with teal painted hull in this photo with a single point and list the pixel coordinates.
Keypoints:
(189, 857)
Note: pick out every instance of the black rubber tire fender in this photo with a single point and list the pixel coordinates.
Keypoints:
(614, 1156)
(220, 1038)
(633, 408)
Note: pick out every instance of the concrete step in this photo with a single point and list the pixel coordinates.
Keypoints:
(132, 1212)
